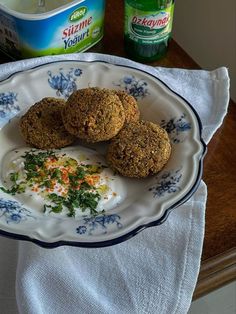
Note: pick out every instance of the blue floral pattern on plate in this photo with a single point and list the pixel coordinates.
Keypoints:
(8, 106)
(98, 223)
(175, 127)
(166, 190)
(13, 212)
(138, 88)
(167, 182)
(64, 82)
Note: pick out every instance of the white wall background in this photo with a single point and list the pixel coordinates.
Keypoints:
(206, 30)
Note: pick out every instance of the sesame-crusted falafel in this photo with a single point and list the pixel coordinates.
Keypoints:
(140, 149)
(42, 126)
(130, 105)
(94, 114)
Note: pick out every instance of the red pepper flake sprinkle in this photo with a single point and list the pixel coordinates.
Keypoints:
(63, 181)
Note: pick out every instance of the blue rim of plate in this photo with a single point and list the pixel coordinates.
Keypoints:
(140, 228)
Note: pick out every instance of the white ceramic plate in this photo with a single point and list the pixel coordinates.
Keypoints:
(143, 202)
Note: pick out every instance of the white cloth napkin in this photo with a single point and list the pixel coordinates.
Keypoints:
(155, 271)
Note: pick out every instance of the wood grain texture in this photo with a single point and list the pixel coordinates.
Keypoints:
(216, 272)
(219, 164)
(220, 177)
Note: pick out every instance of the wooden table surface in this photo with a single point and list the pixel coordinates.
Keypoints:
(218, 265)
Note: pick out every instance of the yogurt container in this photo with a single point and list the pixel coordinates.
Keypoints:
(62, 26)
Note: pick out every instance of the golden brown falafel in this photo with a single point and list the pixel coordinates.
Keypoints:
(141, 148)
(130, 105)
(94, 114)
(42, 126)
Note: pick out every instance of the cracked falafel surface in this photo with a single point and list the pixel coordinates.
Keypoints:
(42, 127)
(140, 149)
(130, 105)
(94, 114)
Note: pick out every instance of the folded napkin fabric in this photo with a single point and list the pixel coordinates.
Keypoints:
(146, 274)
(155, 271)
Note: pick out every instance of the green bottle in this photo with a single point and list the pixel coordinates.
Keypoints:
(147, 29)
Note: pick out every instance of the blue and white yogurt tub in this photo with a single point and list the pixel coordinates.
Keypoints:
(61, 26)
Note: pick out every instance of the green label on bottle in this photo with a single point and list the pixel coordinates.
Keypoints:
(148, 26)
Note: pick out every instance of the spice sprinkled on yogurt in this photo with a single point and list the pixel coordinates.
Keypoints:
(60, 181)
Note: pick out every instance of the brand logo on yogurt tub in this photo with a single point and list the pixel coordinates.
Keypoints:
(78, 14)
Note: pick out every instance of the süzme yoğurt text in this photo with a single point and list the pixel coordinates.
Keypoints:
(72, 35)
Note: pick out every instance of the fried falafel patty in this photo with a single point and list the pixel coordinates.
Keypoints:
(42, 126)
(130, 105)
(94, 114)
(140, 149)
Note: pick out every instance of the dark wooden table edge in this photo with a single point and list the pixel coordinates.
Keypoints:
(215, 273)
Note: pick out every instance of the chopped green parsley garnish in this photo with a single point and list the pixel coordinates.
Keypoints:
(61, 180)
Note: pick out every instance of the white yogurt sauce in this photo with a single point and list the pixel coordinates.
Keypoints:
(109, 186)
